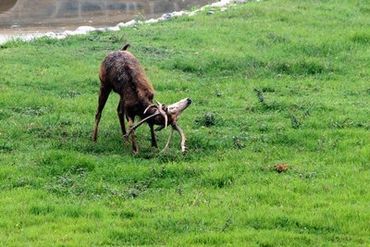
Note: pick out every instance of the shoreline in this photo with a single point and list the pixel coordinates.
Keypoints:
(82, 30)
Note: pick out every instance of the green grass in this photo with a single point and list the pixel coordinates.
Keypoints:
(277, 81)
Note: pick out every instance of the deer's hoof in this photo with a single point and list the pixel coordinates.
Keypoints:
(184, 150)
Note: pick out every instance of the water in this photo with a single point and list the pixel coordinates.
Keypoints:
(22, 16)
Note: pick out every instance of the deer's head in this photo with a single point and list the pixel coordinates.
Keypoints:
(163, 115)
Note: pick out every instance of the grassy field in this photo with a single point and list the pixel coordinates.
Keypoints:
(272, 82)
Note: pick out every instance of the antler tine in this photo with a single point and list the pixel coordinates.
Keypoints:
(182, 135)
(140, 123)
(150, 106)
(163, 113)
(168, 141)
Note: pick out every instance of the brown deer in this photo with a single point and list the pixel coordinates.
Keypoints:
(121, 72)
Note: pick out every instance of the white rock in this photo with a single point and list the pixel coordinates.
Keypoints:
(129, 23)
(121, 24)
(85, 29)
(114, 29)
(151, 21)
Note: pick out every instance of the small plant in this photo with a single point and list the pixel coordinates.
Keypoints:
(238, 142)
(341, 124)
(218, 181)
(70, 94)
(275, 38)
(4, 114)
(31, 110)
(228, 224)
(361, 38)
(218, 93)
(260, 96)
(207, 120)
(295, 122)
(6, 147)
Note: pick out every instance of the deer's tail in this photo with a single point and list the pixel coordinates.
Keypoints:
(125, 47)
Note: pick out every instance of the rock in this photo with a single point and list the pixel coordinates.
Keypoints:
(166, 16)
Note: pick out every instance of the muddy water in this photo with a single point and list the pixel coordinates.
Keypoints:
(22, 16)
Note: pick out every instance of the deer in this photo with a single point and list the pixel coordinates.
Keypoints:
(122, 73)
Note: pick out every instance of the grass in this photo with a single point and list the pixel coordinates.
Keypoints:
(272, 82)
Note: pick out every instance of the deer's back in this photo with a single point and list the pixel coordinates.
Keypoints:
(122, 72)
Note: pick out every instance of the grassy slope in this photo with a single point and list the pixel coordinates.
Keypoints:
(309, 61)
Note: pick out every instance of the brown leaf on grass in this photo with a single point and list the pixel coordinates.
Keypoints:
(282, 167)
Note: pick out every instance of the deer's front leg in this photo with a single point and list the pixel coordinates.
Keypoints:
(121, 116)
(154, 139)
(103, 96)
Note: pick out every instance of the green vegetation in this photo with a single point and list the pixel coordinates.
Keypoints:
(272, 82)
